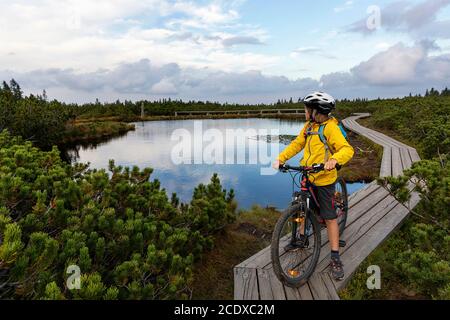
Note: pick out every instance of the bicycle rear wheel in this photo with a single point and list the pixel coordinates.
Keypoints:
(294, 267)
(340, 201)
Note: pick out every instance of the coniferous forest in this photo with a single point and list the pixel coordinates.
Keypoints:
(131, 240)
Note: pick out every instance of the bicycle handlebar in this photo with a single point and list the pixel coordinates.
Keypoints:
(314, 168)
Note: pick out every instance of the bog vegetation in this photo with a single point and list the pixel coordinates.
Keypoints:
(415, 261)
(132, 241)
(128, 238)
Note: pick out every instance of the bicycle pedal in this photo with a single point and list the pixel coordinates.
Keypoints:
(342, 243)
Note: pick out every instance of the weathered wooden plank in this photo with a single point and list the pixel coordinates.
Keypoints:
(365, 205)
(318, 288)
(253, 261)
(390, 140)
(305, 292)
(277, 286)
(292, 293)
(238, 283)
(354, 231)
(375, 135)
(262, 260)
(384, 138)
(326, 278)
(359, 195)
(414, 155)
(352, 125)
(396, 162)
(265, 288)
(386, 162)
(406, 160)
(409, 155)
(245, 284)
(358, 252)
(378, 138)
(362, 114)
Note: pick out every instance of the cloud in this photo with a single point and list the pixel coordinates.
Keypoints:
(419, 20)
(181, 36)
(87, 35)
(346, 6)
(403, 65)
(312, 51)
(203, 16)
(394, 72)
(142, 79)
(340, 80)
(164, 87)
(239, 40)
(139, 77)
(397, 65)
(308, 50)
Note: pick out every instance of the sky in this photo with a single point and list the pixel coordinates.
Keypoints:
(244, 51)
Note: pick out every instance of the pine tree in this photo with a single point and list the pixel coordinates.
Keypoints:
(132, 242)
(15, 89)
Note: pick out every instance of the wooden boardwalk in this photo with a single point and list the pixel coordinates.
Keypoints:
(373, 216)
(297, 112)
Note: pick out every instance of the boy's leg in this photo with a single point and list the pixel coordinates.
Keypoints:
(325, 196)
(333, 234)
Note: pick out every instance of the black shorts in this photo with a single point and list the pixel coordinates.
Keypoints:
(325, 195)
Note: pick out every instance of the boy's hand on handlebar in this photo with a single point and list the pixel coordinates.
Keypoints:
(330, 164)
(276, 164)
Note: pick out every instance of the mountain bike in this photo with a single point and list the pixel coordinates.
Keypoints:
(296, 239)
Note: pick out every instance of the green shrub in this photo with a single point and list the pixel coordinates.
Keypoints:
(128, 239)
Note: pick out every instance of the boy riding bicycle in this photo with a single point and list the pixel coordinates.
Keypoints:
(335, 150)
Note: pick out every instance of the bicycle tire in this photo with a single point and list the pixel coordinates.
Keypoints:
(342, 219)
(275, 247)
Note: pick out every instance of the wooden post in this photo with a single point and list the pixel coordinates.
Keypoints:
(142, 111)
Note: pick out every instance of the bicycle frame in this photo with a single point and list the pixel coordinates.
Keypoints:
(307, 188)
(304, 195)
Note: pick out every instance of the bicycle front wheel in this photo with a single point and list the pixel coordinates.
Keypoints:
(295, 247)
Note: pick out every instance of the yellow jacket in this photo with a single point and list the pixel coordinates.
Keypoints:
(315, 150)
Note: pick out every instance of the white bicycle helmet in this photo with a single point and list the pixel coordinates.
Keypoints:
(323, 102)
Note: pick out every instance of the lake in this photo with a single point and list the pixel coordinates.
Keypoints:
(185, 153)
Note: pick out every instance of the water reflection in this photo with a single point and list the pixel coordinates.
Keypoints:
(150, 145)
